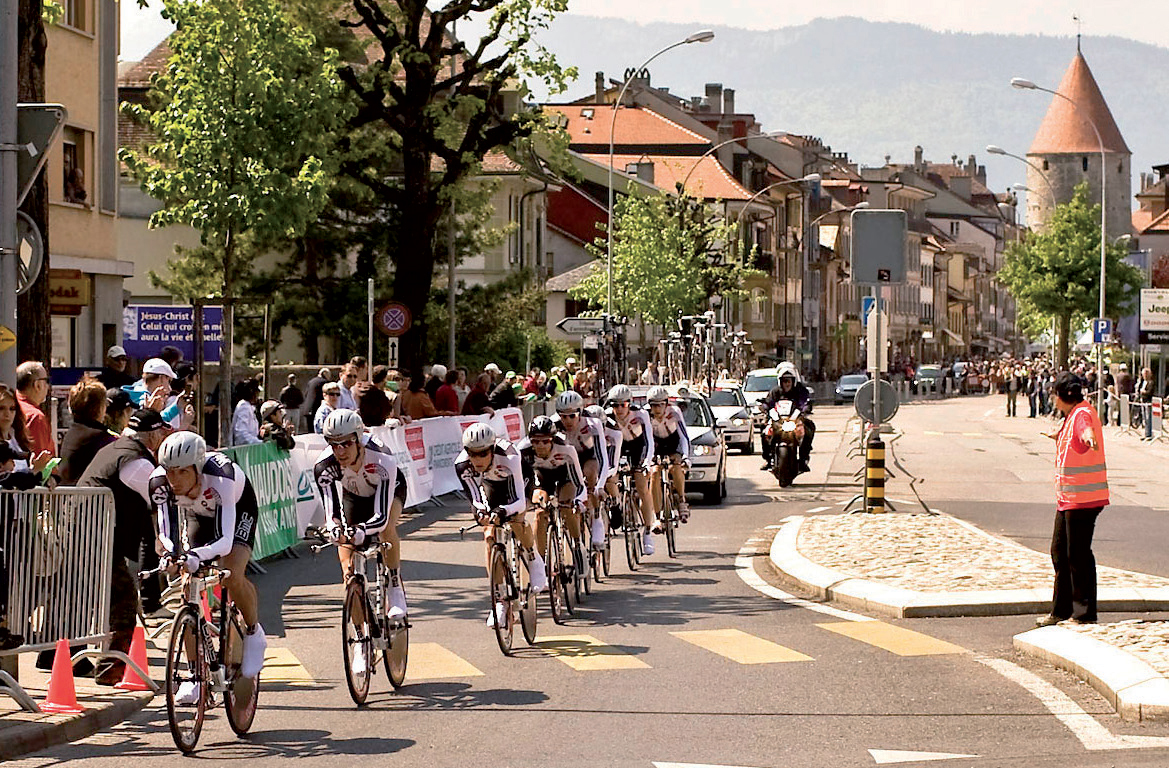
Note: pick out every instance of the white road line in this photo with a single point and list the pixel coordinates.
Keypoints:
(1083, 726)
(989, 413)
(693, 765)
(891, 756)
(816, 509)
(745, 567)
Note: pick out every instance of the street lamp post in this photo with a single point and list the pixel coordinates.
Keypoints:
(1027, 85)
(996, 150)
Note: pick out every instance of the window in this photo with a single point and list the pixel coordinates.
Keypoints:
(955, 228)
(75, 14)
(1084, 163)
(74, 154)
(1045, 166)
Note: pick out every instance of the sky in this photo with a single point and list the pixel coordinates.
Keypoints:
(1144, 20)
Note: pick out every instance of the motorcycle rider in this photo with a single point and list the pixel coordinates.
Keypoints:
(789, 387)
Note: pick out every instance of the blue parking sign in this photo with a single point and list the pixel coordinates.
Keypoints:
(1101, 331)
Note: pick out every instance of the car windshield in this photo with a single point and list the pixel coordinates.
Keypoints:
(696, 413)
(929, 372)
(726, 397)
(855, 380)
(759, 383)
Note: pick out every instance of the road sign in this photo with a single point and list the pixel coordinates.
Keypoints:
(7, 338)
(867, 304)
(37, 127)
(31, 249)
(392, 361)
(889, 402)
(1101, 331)
(878, 246)
(581, 326)
(1154, 316)
(873, 361)
(393, 319)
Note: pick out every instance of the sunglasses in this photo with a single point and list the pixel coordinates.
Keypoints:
(332, 394)
(348, 442)
(541, 441)
(569, 415)
(623, 404)
(479, 454)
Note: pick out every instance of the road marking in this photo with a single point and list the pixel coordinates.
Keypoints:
(430, 661)
(972, 434)
(745, 567)
(933, 434)
(1092, 734)
(1007, 434)
(898, 640)
(586, 653)
(693, 765)
(739, 646)
(282, 666)
(890, 756)
(817, 509)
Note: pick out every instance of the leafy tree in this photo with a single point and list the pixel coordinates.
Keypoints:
(664, 264)
(35, 339)
(1056, 273)
(444, 122)
(242, 121)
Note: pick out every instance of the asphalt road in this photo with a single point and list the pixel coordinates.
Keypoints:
(683, 662)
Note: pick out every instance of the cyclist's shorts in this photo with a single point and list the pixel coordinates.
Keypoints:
(668, 445)
(635, 450)
(552, 479)
(201, 531)
(358, 510)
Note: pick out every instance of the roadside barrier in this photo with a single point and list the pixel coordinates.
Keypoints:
(58, 556)
(875, 475)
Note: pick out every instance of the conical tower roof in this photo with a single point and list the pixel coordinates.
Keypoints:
(1064, 130)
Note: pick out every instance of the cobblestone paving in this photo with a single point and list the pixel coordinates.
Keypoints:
(1147, 640)
(935, 554)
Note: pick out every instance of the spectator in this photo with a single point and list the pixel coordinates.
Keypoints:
(360, 368)
(1125, 385)
(349, 377)
(118, 411)
(494, 372)
(275, 426)
(114, 373)
(171, 354)
(11, 479)
(124, 466)
(313, 394)
(14, 434)
(503, 396)
(532, 383)
(32, 385)
(437, 378)
(445, 397)
(416, 403)
(292, 399)
(373, 406)
(153, 391)
(245, 426)
(88, 434)
(477, 401)
(570, 365)
(651, 375)
(379, 376)
(332, 394)
(462, 387)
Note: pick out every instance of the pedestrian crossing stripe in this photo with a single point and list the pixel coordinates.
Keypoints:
(741, 647)
(898, 640)
(282, 666)
(430, 661)
(586, 653)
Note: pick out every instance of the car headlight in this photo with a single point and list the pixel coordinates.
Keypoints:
(703, 450)
(739, 422)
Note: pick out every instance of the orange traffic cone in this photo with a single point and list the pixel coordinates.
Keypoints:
(130, 679)
(62, 698)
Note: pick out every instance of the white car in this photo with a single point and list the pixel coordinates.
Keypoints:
(755, 388)
(733, 414)
(708, 450)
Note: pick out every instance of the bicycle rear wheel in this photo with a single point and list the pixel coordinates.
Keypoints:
(243, 694)
(669, 518)
(397, 653)
(632, 530)
(557, 594)
(587, 560)
(185, 664)
(355, 640)
(528, 599)
(499, 578)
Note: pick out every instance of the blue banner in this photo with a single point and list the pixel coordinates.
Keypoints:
(146, 329)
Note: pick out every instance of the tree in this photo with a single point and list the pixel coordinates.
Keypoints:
(32, 308)
(1056, 273)
(445, 121)
(664, 264)
(243, 133)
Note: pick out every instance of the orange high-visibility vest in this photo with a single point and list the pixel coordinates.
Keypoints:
(1081, 478)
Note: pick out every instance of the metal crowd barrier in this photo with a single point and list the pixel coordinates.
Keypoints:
(58, 555)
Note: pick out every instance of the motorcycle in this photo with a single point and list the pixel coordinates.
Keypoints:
(784, 432)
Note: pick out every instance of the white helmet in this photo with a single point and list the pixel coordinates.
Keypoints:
(595, 412)
(182, 449)
(657, 394)
(787, 368)
(478, 436)
(620, 392)
(568, 401)
(341, 422)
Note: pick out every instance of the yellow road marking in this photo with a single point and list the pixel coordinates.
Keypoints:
(898, 640)
(282, 666)
(586, 653)
(972, 434)
(741, 647)
(430, 661)
(933, 434)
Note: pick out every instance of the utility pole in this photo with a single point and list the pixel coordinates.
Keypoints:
(9, 42)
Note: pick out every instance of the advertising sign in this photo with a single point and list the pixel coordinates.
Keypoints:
(146, 329)
(1154, 316)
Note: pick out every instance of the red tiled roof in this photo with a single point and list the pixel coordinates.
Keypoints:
(1064, 129)
(709, 179)
(635, 125)
(138, 75)
(1145, 223)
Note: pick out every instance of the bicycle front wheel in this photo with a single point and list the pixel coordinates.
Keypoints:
(499, 579)
(243, 694)
(632, 530)
(356, 648)
(557, 593)
(670, 519)
(527, 601)
(186, 670)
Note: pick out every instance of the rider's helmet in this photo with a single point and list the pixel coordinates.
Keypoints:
(657, 394)
(569, 401)
(182, 449)
(342, 422)
(595, 412)
(620, 393)
(788, 369)
(543, 426)
(478, 436)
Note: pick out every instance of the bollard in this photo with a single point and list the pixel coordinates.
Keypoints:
(875, 475)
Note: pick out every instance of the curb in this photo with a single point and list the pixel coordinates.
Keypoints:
(25, 732)
(1134, 689)
(898, 603)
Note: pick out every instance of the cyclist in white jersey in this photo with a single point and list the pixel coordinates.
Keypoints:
(587, 436)
(637, 445)
(613, 454)
(551, 471)
(671, 441)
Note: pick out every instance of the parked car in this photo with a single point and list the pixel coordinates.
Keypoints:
(928, 378)
(733, 415)
(708, 450)
(755, 388)
(848, 385)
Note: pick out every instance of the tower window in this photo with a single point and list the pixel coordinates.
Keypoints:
(1120, 167)
(1045, 166)
(1084, 162)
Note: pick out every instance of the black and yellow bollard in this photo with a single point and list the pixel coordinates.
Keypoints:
(875, 476)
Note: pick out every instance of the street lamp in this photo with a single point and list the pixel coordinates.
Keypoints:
(996, 150)
(702, 36)
(811, 178)
(720, 145)
(1027, 85)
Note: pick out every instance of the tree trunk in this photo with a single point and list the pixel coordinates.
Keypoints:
(1064, 323)
(309, 337)
(32, 308)
(227, 350)
(414, 269)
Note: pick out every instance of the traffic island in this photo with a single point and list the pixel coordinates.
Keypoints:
(918, 565)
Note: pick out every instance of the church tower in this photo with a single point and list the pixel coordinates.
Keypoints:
(1067, 151)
